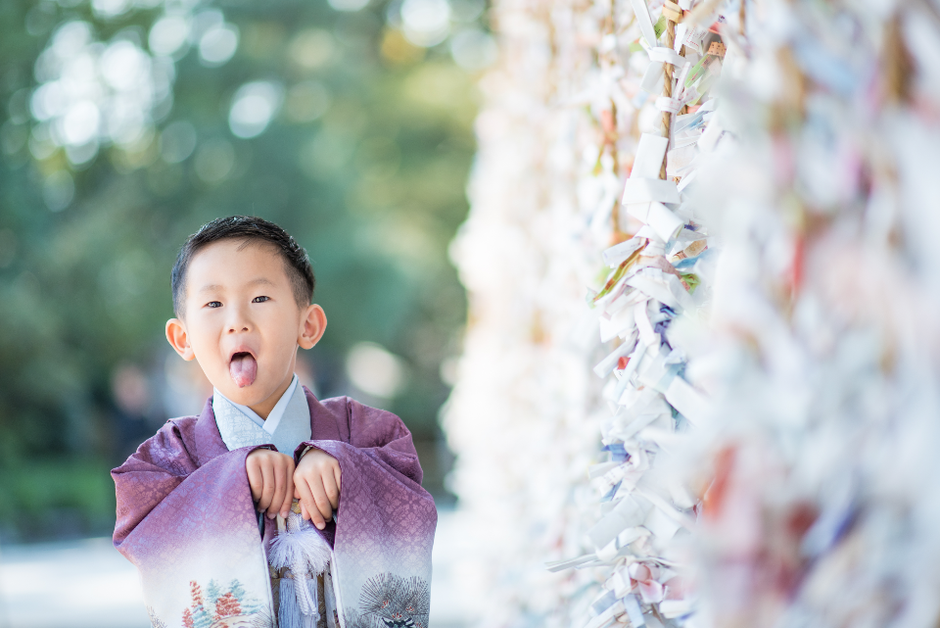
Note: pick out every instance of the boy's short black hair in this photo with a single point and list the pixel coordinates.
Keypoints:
(248, 228)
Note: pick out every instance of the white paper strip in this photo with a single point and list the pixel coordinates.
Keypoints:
(644, 327)
(647, 190)
(680, 36)
(653, 79)
(709, 139)
(679, 293)
(633, 362)
(645, 21)
(694, 38)
(686, 180)
(629, 512)
(686, 139)
(606, 617)
(686, 400)
(620, 324)
(633, 611)
(669, 105)
(605, 366)
(674, 608)
(616, 254)
(650, 282)
(680, 79)
(661, 54)
(661, 525)
(649, 156)
(665, 223)
(560, 565)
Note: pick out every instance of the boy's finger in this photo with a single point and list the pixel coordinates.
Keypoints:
(254, 479)
(277, 499)
(331, 490)
(306, 500)
(288, 494)
(267, 487)
(321, 500)
(338, 474)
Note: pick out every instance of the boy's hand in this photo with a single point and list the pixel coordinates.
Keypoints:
(271, 477)
(316, 485)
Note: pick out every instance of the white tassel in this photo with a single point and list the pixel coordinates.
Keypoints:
(306, 600)
(302, 550)
(299, 544)
(290, 614)
(310, 621)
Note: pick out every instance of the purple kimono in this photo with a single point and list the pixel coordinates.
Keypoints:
(186, 519)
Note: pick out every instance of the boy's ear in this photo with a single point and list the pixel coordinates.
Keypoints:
(178, 338)
(312, 327)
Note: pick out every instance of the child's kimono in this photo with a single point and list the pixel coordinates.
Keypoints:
(186, 519)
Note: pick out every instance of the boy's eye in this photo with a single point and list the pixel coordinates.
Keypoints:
(260, 299)
(214, 304)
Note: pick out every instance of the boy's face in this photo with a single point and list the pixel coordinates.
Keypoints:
(241, 322)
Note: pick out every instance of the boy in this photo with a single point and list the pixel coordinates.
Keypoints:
(186, 499)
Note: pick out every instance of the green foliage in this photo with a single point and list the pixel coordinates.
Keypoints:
(372, 186)
(49, 498)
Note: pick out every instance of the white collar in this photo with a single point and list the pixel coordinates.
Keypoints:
(276, 414)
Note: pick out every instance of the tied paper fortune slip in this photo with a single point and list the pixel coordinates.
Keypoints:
(557, 141)
(653, 287)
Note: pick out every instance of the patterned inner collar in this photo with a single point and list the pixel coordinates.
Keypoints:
(287, 425)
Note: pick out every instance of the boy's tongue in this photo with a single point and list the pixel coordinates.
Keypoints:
(243, 369)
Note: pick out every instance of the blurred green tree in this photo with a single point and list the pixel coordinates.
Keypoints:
(330, 123)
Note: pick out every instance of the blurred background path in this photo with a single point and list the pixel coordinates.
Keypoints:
(88, 584)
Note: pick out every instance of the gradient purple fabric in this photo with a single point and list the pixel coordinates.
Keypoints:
(186, 519)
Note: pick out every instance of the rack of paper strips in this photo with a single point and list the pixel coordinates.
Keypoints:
(738, 427)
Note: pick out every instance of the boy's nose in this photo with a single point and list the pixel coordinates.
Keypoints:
(239, 324)
(239, 321)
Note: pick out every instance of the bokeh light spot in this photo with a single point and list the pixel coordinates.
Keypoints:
(40, 142)
(426, 22)
(81, 154)
(125, 66)
(311, 48)
(473, 49)
(110, 8)
(375, 371)
(348, 5)
(467, 10)
(93, 93)
(168, 35)
(253, 107)
(218, 44)
(398, 50)
(58, 190)
(307, 101)
(80, 123)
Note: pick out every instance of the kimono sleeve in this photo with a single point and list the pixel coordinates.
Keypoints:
(385, 522)
(192, 531)
(383, 437)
